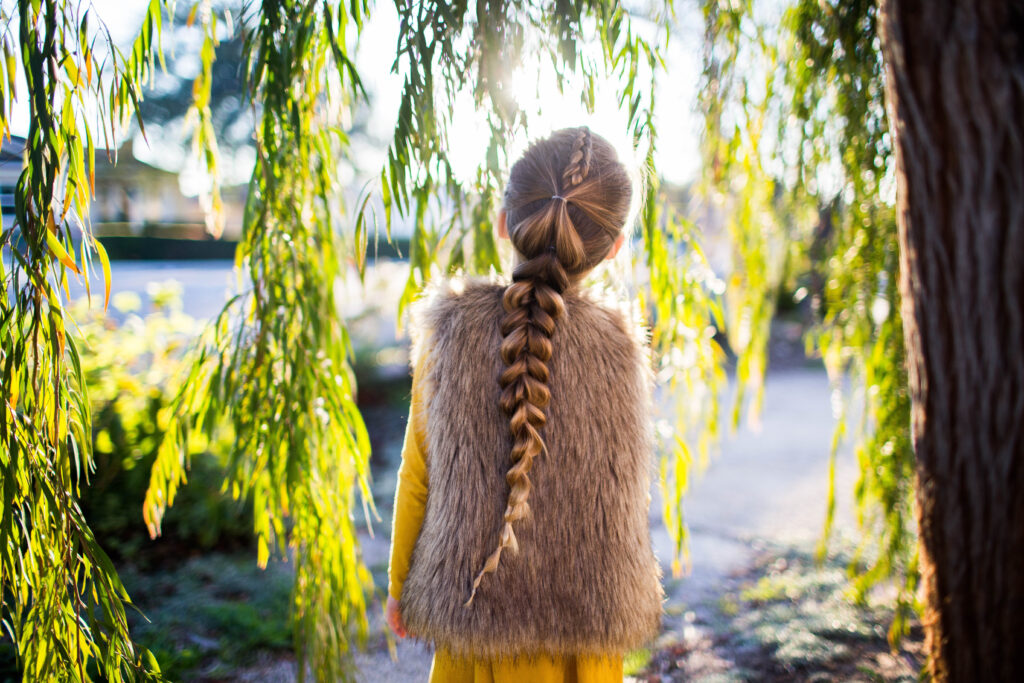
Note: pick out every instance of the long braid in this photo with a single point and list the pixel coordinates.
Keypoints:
(531, 308)
(533, 302)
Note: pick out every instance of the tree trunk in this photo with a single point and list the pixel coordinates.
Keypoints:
(955, 93)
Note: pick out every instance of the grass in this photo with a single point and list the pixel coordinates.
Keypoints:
(802, 614)
(636, 661)
(212, 615)
(205, 619)
(789, 619)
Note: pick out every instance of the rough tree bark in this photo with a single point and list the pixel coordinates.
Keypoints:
(955, 92)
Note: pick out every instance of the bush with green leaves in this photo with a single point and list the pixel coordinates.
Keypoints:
(133, 363)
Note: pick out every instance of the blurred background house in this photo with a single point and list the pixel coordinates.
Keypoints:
(140, 210)
(136, 199)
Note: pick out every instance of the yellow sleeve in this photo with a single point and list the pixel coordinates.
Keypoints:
(410, 496)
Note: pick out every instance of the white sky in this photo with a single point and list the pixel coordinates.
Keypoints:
(677, 153)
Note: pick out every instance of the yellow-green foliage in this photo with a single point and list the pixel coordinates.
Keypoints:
(796, 135)
(797, 128)
(275, 364)
(134, 362)
(63, 603)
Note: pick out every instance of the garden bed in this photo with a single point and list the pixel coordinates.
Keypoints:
(786, 618)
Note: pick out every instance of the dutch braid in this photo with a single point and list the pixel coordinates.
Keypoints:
(533, 302)
(579, 160)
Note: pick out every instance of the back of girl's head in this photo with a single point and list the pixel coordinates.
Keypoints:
(569, 196)
(567, 200)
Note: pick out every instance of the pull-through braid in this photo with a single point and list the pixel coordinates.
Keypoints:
(532, 305)
(579, 160)
(533, 302)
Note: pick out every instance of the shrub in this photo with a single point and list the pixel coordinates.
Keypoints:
(133, 364)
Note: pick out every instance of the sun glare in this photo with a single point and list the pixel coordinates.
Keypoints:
(547, 108)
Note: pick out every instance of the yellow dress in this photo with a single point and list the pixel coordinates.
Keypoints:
(410, 506)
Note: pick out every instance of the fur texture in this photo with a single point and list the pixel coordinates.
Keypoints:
(585, 579)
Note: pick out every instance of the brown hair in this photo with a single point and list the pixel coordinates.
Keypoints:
(567, 200)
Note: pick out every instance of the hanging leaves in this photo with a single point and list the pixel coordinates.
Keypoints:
(63, 603)
(816, 81)
(275, 364)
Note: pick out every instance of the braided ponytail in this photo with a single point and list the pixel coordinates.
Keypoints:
(554, 251)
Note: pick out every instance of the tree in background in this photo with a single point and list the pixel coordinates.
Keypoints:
(798, 144)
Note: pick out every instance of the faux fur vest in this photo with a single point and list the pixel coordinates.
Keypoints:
(585, 579)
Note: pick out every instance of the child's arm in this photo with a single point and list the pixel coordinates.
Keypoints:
(410, 506)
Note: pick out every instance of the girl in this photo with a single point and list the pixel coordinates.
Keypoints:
(520, 545)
